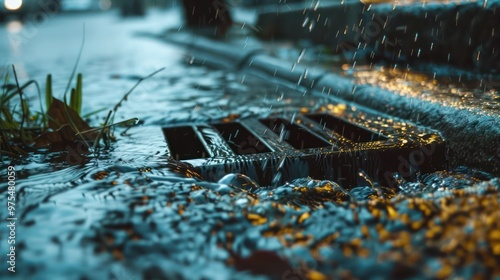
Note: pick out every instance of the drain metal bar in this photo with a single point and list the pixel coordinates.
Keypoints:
(298, 136)
(240, 139)
(334, 144)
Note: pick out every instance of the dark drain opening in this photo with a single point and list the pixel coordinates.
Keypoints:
(183, 143)
(295, 135)
(240, 140)
(345, 129)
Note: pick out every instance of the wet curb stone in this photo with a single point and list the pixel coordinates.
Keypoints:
(331, 23)
(472, 135)
(212, 53)
(292, 72)
(218, 54)
(465, 35)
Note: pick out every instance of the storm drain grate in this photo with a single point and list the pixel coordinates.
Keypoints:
(329, 145)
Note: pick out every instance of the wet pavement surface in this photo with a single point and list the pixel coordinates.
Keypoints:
(132, 213)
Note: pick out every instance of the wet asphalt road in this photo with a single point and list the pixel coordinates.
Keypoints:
(110, 48)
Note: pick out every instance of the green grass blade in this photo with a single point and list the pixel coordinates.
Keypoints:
(79, 87)
(8, 120)
(128, 122)
(117, 105)
(22, 101)
(7, 153)
(49, 96)
(101, 133)
(14, 91)
(76, 63)
(26, 111)
(93, 113)
(5, 81)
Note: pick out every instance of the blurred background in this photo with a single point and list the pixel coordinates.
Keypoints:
(20, 8)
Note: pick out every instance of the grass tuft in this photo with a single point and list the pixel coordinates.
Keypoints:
(24, 129)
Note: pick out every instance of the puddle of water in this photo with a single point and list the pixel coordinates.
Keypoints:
(131, 211)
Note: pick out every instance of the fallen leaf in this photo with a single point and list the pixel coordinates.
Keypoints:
(61, 121)
(48, 138)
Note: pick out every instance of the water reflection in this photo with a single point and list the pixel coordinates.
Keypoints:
(14, 26)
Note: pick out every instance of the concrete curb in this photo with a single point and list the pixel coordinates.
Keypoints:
(472, 135)
(216, 54)
(403, 33)
(464, 35)
(331, 24)
(294, 73)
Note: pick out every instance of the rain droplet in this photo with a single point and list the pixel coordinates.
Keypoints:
(311, 26)
(301, 55)
(306, 20)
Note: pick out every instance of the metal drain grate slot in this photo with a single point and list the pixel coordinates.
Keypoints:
(240, 140)
(294, 134)
(184, 143)
(347, 130)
